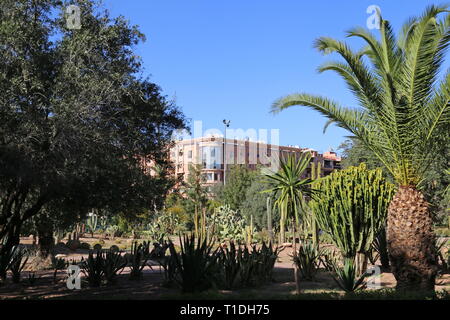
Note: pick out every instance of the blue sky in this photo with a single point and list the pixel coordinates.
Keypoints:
(232, 58)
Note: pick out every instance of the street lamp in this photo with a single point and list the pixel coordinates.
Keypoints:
(227, 124)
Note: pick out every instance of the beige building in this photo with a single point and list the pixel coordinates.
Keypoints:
(209, 153)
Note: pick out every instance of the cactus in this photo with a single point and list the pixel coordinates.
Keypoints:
(269, 218)
(92, 223)
(227, 224)
(352, 208)
(250, 231)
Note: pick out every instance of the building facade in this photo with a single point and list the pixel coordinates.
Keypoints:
(211, 153)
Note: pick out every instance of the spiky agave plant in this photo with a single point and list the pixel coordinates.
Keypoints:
(19, 259)
(403, 106)
(345, 275)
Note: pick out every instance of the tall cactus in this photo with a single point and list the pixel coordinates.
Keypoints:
(269, 217)
(352, 207)
(315, 175)
(92, 223)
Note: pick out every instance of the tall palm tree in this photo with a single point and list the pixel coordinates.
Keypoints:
(402, 106)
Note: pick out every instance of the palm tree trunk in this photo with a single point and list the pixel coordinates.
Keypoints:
(410, 241)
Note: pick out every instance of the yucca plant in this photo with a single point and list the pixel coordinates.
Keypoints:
(403, 107)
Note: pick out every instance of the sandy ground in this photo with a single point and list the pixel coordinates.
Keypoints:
(150, 287)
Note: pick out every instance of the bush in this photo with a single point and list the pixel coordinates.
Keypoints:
(85, 246)
(73, 244)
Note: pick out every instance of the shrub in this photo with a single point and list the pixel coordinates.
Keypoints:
(73, 244)
(85, 246)
(97, 247)
(243, 267)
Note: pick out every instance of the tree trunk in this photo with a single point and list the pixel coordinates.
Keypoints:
(10, 239)
(410, 238)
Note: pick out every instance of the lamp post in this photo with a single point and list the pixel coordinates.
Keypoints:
(226, 124)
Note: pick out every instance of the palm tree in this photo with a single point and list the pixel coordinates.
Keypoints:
(289, 188)
(402, 106)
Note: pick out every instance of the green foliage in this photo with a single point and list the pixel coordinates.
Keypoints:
(289, 189)
(234, 192)
(196, 264)
(345, 276)
(404, 104)
(230, 261)
(226, 224)
(76, 153)
(307, 260)
(352, 207)
(354, 153)
(255, 204)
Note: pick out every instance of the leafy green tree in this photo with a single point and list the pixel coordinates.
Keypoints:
(403, 105)
(255, 204)
(75, 121)
(239, 179)
(354, 153)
